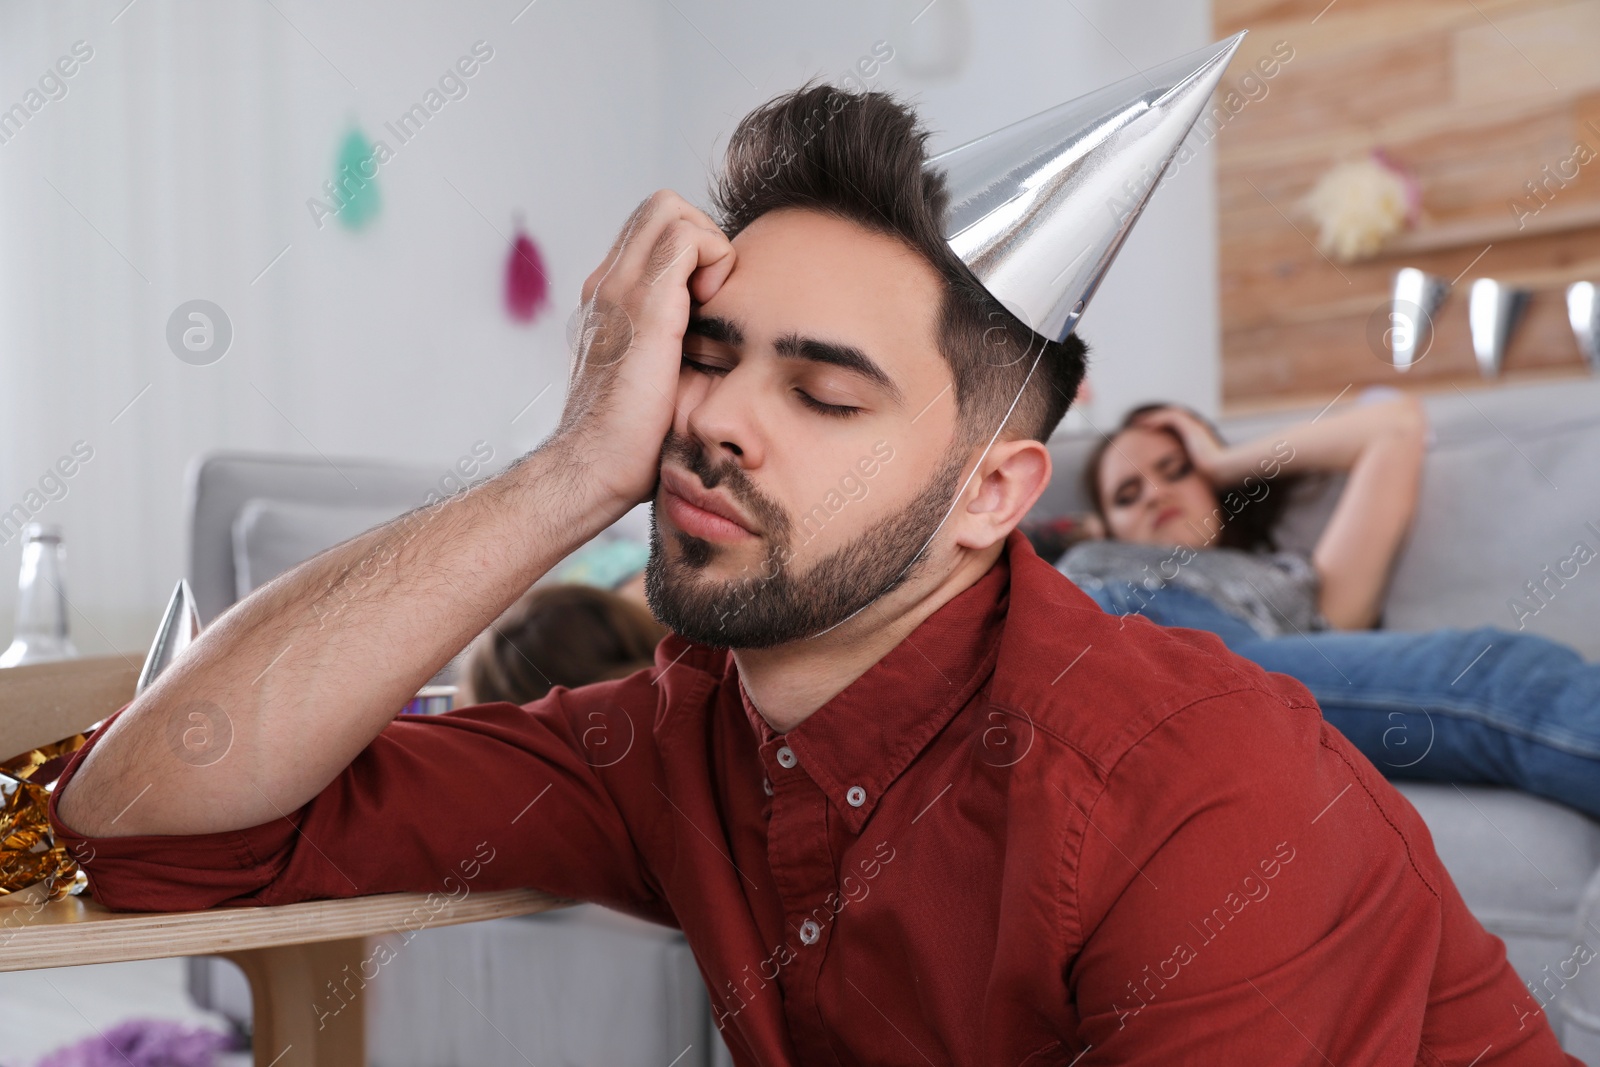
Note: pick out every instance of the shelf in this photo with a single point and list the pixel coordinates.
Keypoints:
(1477, 233)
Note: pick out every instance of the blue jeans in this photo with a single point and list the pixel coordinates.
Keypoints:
(1458, 705)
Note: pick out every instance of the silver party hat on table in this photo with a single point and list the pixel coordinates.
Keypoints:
(1583, 311)
(1416, 296)
(1039, 209)
(1493, 311)
(180, 625)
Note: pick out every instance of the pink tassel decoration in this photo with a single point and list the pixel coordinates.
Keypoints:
(527, 284)
(1408, 179)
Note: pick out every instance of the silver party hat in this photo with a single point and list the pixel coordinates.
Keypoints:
(1494, 310)
(1039, 209)
(180, 625)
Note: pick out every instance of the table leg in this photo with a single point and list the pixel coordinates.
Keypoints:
(306, 1003)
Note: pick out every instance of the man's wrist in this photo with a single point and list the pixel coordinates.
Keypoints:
(556, 484)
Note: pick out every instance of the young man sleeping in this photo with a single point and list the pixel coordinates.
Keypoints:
(910, 794)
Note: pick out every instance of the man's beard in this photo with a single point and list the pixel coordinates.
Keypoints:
(774, 605)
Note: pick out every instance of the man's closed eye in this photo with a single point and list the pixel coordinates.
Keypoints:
(837, 411)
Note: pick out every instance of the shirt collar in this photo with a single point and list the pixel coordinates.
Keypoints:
(869, 733)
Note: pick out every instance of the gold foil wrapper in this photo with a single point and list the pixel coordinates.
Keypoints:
(34, 866)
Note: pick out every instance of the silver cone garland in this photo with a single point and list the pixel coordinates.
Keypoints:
(1583, 312)
(1494, 310)
(1416, 297)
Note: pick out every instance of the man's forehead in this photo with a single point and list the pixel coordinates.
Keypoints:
(804, 272)
(825, 251)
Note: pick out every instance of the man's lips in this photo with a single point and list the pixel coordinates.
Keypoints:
(701, 513)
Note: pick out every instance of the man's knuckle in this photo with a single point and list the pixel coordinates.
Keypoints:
(675, 236)
(668, 247)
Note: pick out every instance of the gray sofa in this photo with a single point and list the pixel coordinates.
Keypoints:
(1511, 478)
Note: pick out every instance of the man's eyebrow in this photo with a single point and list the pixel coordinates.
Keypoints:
(722, 331)
(837, 355)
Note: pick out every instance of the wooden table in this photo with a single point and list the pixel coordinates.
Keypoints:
(289, 953)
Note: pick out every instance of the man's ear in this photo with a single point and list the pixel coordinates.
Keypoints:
(1011, 479)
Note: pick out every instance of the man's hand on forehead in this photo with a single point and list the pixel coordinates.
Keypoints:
(659, 222)
(668, 256)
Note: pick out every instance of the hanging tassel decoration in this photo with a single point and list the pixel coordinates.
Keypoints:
(527, 284)
(355, 187)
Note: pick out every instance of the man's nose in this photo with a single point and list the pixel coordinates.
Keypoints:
(723, 415)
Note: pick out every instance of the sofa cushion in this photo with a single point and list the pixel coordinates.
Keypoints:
(220, 484)
(1529, 870)
(1521, 862)
(272, 536)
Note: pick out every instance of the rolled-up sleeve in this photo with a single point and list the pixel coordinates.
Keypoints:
(493, 796)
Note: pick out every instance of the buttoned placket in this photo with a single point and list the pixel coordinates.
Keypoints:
(803, 871)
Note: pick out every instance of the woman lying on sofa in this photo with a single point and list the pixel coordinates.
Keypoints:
(1188, 524)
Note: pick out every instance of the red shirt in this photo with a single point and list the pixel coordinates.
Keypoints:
(1032, 833)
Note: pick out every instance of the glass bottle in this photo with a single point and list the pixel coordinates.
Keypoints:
(41, 634)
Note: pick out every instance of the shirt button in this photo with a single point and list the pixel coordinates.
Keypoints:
(786, 757)
(810, 931)
(766, 785)
(856, 796)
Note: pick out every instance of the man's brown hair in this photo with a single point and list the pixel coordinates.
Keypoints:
(859, 156)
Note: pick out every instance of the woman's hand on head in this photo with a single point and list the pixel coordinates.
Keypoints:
(1208, 455)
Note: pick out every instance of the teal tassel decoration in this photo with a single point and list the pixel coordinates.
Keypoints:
(355, 185)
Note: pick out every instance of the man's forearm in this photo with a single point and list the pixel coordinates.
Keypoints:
(286, 688)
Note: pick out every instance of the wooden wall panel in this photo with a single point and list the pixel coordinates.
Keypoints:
(1476, 99)
(1526, 53)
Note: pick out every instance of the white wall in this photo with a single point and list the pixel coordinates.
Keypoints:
(190, 144)
(180, 161)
